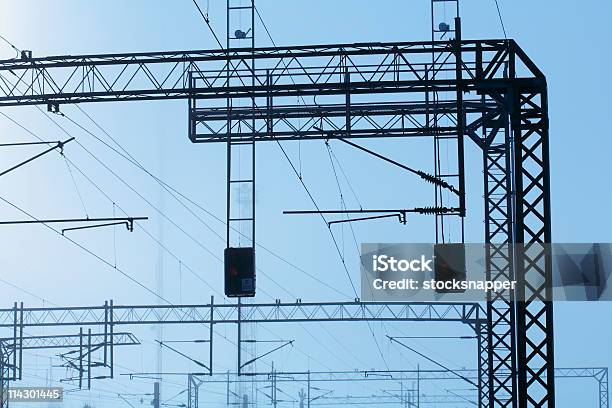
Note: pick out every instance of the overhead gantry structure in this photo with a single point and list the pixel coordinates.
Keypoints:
(315, 379)
(102, 321)
(239, 96)
(77, 355)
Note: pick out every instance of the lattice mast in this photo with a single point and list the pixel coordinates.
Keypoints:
(240, 33)
(444, 27)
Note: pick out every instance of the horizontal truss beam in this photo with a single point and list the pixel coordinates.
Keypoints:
(296, 70)
(247, 313)
(70, 341)
(381, 375)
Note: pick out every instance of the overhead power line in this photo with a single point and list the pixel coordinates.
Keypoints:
(175, 192)
(207, 21)
(132, 160)
(130, 277)
(137, 164)
(501, 20)
(58, 145)
(301, 180)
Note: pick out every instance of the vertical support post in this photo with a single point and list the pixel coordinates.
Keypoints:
(240, 229)
(189, 390)
(604, 398)
(239, 342)
(80, 358)
(483, 372)
(106, 333)
(156, 395)
(534, 314)
(89, 359)
(308, 388)
(196, 395)
(112, 340)
(227, 391)
(427, 99)
(211, 334)
(499, 200)
(15, 324)
(444, 30)
(4, 375)
(460, 118)
(418, 396)
(228, 84)
(273, 390)
(347, 99)
(193, 391)
(19, 348)
(269, 103)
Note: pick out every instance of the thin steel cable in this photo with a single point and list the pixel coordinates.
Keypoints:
(501, 20)
(138, 165)
(348, 182)
(301, 179)
(131, 159)
(110, 199)
(128, 276)
(17, 50)
(76, 187)
(274, 254)
(27, 292)
(207, 21)
(172, 191)
(134, 280)
(357, 247)
(299, 175)
(159, 243)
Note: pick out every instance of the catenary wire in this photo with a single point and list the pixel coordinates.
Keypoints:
(501, 20)
(144, 229)
(173, 192)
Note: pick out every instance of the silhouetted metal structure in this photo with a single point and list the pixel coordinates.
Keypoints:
(238, 96)
(104, 319)
(599, 374)
(78, 356)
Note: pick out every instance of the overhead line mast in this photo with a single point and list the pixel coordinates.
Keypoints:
(240, 226)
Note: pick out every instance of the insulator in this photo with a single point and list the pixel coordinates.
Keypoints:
(433, 210)
(434, 180)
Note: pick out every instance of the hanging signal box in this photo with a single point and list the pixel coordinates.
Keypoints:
(239, 272)
(449, 265)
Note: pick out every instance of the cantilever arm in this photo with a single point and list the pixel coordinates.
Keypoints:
(59, 145)
(425, 176)
(393, 339)
(193, 360)
(416, 210)
(401, 217)
(268, 353)
(128, 221)
(128, 224)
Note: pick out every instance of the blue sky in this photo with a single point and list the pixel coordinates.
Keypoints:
(567, 40)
